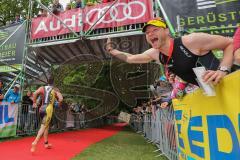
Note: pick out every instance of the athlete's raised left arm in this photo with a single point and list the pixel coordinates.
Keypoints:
(202, 43)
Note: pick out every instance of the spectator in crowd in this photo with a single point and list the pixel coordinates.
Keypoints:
(180, 55)
(76, 109)
(18, 19)
(79, 4)
(27, 99)
(13, 96)
(56, 7)
(1, 91)
(82, 117)
(70, 116)
(49, 95)
(165, 102)
(42, 13)
(68, 7)
(171, 78)
(178, 88)
(236, 42)
(161, 88)
(61, 115)
(91, 2)
(26, 104)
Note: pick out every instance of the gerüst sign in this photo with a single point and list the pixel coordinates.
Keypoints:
(204, 14)
(124, 12)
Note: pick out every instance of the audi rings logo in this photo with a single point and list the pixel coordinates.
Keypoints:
(117, 13)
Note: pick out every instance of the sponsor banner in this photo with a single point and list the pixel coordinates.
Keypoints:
(204, 14)
(8, 119)
(11, 52)
(208, 127)
(124, 12)
(125, 117)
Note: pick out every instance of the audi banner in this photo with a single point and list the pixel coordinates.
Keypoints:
(204, 14)
(124, 12)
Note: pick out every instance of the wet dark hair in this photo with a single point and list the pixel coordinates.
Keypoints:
(51, 80)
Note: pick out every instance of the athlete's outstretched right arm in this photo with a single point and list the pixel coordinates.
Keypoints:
(145, 57)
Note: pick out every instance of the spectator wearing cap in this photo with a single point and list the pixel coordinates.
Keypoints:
(236, 43)
(165, 102)
(13, 96)
(1, 90)
(180, 55)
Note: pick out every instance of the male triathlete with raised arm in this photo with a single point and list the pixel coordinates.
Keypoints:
(180, 55)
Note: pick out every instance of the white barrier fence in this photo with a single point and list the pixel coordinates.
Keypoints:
(159, 129)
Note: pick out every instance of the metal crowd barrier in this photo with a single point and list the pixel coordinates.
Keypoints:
(159, 129)
(136, 123)
(29, 120)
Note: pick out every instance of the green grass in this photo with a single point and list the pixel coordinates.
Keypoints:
(126, 145)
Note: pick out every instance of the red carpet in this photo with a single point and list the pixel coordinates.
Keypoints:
(65, 145)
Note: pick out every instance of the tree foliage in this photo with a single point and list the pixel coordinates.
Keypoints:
(9, 9)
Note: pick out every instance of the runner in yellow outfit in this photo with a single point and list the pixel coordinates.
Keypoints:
(49, 95)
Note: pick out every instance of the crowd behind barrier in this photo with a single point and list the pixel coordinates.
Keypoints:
(63, 119)
(155, 119)
(158, 128)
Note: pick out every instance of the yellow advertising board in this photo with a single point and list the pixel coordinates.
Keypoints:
(208, 128)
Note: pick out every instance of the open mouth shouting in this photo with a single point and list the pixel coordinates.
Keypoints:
(154, 40)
